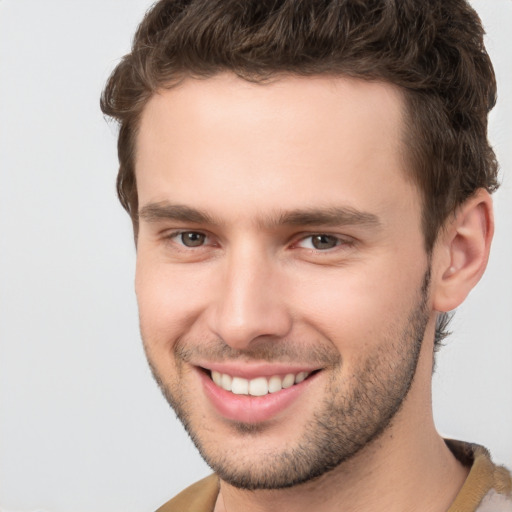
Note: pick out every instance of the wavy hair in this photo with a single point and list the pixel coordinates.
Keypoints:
(433, 50)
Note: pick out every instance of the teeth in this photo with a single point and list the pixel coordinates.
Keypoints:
(300, 377)
(217, 378)
(259, 386)
(225, 382)
(289, 381)
(240, 386)
(274, 384)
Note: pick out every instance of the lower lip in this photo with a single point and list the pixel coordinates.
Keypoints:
(252, 409)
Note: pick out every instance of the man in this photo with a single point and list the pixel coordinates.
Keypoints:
(309, 184)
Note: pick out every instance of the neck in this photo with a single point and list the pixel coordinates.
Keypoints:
(397, 472)
(389, 484)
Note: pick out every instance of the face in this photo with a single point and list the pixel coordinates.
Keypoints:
(281, 275)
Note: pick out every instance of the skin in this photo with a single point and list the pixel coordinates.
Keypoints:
(255, 291)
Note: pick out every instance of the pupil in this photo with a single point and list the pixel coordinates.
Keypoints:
(192, 239)
(324, 242)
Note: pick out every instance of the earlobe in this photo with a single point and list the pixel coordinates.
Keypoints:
(462, 251)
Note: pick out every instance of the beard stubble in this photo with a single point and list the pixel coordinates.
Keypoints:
(355, 410)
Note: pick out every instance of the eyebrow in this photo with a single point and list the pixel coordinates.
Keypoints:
(331, 216)
(154, 212)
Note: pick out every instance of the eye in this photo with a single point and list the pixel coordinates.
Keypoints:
(190, 238)
(320, 242)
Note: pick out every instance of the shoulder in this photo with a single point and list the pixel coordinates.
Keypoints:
(488, 487)
(199, 497)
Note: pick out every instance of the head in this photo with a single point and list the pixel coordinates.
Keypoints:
(337, 204)
(440, 66)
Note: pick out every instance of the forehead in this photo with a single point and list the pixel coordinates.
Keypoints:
(304, 105)
(292, 142)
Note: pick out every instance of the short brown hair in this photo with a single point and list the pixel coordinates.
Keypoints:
(432, 49)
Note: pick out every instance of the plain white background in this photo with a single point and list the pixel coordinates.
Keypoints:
(82, 425)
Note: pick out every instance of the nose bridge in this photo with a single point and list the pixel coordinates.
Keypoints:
(248, 303)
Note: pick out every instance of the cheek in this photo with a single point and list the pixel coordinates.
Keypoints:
(169, 299)
(356, 308)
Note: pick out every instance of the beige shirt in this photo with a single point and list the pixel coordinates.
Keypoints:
(488, 487)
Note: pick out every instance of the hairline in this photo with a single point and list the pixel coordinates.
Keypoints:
(408, 129)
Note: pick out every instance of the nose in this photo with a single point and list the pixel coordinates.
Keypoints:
(249, 303)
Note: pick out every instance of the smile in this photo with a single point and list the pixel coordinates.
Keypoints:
(255, 393)
(259, 386)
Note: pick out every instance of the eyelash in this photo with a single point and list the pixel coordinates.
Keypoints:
(339, 241)
(176, 234)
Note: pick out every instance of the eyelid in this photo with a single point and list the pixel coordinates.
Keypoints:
(175, 234)
(342, 241)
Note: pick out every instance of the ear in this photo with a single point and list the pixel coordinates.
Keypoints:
(462, 251)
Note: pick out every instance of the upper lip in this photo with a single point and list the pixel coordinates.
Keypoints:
(253, 370)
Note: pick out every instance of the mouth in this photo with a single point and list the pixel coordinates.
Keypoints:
(258, 386)
(255, 393)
